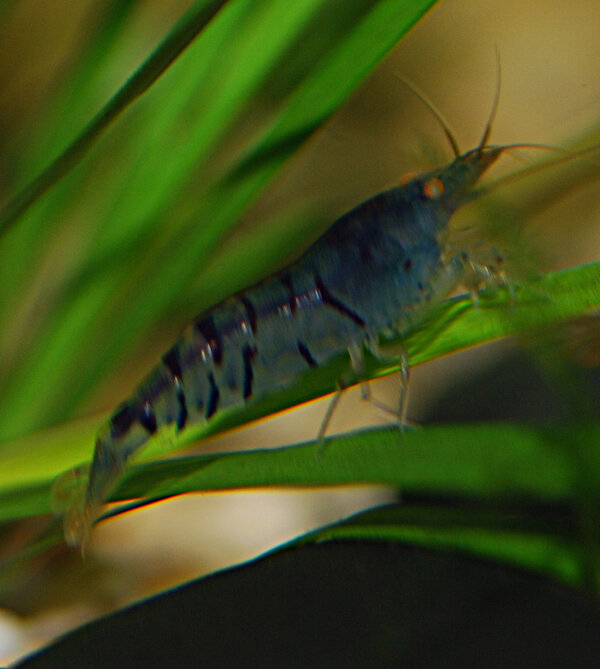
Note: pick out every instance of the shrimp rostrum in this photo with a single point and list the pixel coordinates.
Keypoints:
(378, 268)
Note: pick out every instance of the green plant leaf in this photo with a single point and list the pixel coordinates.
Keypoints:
(455, 325)
(179, 38)
(537, 536)
(511, 492)
(132, 198)
(492, 460)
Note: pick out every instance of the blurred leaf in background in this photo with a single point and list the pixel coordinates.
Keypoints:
(186, 113)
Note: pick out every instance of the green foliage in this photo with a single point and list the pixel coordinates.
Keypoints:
(114, 220)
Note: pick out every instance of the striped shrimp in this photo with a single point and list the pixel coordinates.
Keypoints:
(378, 268)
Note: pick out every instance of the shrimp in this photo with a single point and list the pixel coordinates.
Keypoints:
(378, 268)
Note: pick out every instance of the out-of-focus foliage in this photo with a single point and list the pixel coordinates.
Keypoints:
(131, 188)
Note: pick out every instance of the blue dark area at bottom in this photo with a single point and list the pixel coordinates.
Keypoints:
(346, 604)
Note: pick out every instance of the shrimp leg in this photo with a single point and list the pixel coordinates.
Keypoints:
(400, 357)
(358, 366)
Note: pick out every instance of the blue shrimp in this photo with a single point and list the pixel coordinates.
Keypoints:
(378, 268)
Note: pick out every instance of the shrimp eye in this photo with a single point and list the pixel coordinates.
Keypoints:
(433, 189)
(407, 177)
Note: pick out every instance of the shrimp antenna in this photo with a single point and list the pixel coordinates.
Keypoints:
(434, 110)
(534, 169)
(488, 127)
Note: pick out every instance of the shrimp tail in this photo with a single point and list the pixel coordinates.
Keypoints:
(67, 496)
(113, 448)
(90, 492)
